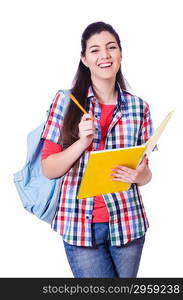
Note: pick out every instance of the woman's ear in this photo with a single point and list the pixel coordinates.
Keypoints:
(83, 59)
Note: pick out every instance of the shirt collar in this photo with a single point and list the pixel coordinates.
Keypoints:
(121, 97)
(90, 92)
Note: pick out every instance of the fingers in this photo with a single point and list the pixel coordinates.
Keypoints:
(143, 165)
(87, 117)
(124, 170)
(124, 174)
(86, 125)
(122, 178)
(87, 122)
(126, 180)
(143, 160)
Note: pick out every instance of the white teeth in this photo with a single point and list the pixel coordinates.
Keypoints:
(105, 65)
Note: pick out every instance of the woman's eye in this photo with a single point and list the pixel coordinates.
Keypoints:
(97, 50)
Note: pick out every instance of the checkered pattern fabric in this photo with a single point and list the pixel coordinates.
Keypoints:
(131, 125)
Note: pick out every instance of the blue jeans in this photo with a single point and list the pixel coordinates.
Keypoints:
(104, 260)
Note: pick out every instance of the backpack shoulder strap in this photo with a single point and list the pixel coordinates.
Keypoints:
(64, 94)
(65, 102)
(34, 141)
(65, 106)
(66, 99)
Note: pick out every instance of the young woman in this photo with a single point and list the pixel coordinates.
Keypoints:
(104, 235)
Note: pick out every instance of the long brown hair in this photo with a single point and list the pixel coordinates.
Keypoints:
(81, 83)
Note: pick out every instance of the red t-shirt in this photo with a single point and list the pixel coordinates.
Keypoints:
(100, 212)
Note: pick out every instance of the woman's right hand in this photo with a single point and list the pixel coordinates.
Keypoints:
(86, 129)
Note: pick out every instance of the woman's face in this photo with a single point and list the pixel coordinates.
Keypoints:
(102, 56)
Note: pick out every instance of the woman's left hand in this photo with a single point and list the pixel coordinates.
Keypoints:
(142, 175)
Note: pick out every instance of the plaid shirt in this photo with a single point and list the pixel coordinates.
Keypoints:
(131, 125)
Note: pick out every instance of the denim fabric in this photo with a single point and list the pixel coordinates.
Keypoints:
(104, 260)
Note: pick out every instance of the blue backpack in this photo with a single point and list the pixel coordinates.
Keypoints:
(39, 195)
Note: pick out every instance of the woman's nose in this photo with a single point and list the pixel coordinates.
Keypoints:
(104, 53)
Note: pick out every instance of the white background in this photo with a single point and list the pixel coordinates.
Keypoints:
(40, 49)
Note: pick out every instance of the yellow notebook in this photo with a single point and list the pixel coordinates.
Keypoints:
(97, 179)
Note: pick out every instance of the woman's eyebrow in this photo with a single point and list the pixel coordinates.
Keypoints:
(99, 45)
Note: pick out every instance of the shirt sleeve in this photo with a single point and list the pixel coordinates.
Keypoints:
(54, 122)
(50, 148)
(147, 129)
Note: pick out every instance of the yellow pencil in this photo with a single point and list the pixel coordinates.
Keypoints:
(77, 103)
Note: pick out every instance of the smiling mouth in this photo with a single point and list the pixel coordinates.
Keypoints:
(105, 65)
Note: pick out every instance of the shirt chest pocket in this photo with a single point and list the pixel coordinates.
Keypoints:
(125, 132)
